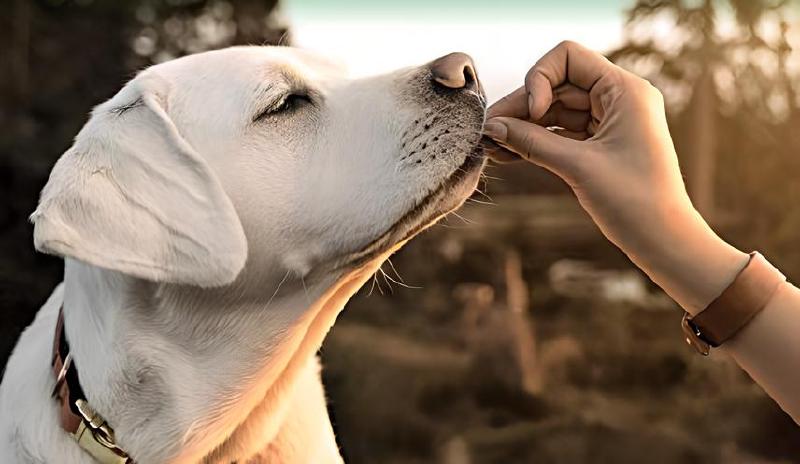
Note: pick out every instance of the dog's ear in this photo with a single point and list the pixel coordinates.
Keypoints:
(133, 196)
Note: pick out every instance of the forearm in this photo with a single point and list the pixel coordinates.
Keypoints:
(622, 166)
(694, 266)
(768, 348)
(683, 256)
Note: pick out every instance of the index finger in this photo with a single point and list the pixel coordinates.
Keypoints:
(514, 105)
(567, 62)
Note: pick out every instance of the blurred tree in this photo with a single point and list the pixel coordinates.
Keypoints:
(725, 68)
(174, 28)
(58, 59)
(729, 79)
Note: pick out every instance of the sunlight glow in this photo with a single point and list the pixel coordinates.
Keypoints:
(503, 51)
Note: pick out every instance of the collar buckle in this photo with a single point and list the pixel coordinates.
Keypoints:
(97, 438)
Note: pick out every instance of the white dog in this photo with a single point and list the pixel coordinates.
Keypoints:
(215, 216)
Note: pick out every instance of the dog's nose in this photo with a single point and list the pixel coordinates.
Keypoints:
(454, 71)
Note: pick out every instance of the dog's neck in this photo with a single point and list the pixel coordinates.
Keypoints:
(176, 370)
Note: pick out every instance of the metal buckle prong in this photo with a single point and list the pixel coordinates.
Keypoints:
(62, 374)
(694, 337)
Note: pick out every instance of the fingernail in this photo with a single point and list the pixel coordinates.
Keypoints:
(530, 105)
(496, 130)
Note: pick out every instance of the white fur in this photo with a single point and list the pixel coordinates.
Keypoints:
(207, 254)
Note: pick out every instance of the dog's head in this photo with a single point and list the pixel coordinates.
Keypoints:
(269, 156)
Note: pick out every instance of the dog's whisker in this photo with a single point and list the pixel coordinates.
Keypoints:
(489, 203)
(484, 194)
(394, 269)
(286, 276)
(387, 280)
(448, 226)
(445, 222)
(400, 282)
(308, 297)
(466, 220)
(372, 287)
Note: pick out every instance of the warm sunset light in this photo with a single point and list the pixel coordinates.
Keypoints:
(400, 232)
(372, 37)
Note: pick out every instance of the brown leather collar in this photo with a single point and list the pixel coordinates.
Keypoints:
(76, 416)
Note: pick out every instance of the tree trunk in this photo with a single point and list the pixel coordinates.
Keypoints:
(703, 144)
(520, 327)
(20, 49)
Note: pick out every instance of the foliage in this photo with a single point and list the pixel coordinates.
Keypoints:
(408, 383)
(744, 46)
(58, 59)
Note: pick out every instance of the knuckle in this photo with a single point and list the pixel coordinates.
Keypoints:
(528, 142)
(568, 44)
(534, 71)
(653, 92)
(530, 74)
(643, 88)
(657, 93)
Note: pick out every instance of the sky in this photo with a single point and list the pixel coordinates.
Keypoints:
(504, 37)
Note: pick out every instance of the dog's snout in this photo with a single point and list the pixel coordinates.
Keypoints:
(454, 71)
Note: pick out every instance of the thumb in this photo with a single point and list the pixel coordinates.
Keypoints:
(533, 143)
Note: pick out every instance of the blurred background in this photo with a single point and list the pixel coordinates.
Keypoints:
(512, 332)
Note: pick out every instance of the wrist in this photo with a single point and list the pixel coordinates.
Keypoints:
(688, 260)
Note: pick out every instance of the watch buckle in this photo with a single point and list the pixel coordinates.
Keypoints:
(694, 337)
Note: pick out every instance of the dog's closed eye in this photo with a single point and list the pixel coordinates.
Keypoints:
(289, 103)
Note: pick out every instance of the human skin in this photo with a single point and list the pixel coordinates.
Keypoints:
(603, 130)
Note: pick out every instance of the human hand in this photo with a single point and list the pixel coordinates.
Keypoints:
(604, 131)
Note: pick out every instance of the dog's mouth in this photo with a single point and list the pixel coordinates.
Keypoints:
(447, 197)
(448, 124)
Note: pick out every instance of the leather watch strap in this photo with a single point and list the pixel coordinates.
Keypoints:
(738, 304)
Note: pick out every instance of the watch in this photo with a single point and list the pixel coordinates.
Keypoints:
(732, 310)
